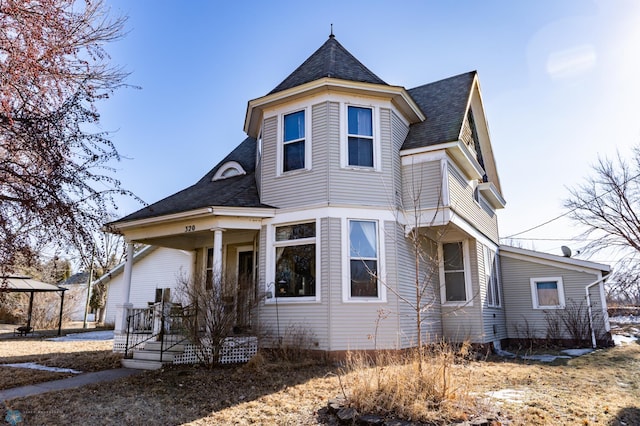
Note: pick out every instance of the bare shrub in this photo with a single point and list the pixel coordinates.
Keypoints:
(526, 333)
(575, 319)
(46, 310)
(554, 326)
(211, 313)
(422, 386)
(296, 343)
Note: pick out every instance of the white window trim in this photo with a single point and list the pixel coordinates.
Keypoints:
(307, 142)
(270, 284)
(467, 276)
(344, 138)
(346, 264)
(229, 165)
(534, 293)
(488, 265)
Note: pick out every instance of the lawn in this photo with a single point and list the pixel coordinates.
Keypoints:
(599, 388)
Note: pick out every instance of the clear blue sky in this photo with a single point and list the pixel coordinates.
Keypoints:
(560, 82)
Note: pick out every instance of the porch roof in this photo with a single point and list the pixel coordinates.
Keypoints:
(237, 191)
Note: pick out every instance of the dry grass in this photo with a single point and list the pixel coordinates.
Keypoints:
(84, 356)
(429, 387)
(600, 388)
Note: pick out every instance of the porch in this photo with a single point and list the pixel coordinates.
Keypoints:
(169, 333)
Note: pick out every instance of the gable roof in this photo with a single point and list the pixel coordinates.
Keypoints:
(539, 257)
(119, 268)
(330, 60)
(444, 103)
(236, 191)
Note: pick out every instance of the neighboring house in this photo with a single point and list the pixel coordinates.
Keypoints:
(155, 270)
(318, 205)
(76, 296)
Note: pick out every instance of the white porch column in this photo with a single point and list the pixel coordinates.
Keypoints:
(217, 252)
(122, 309)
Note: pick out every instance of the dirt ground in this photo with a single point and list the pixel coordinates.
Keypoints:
(601, 388)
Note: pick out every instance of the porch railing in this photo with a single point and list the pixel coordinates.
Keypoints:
(156, 323)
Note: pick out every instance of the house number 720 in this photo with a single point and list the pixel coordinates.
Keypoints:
(189, 228)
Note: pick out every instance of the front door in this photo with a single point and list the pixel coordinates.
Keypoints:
(245, 286)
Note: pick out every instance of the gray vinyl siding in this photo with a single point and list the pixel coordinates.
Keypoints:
(422, 182)
(522, 318)
(462, 323)
(287, 319)
(428, 277)
(399, 133)
(493, 318)
(462, 202)
(353, 324)
(299, 187)
(363, 186)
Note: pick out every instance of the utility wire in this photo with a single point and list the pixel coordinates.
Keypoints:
(570, 211)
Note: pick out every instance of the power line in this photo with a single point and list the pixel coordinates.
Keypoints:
(572, 210)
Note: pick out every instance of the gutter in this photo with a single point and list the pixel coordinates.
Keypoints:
(593, 333)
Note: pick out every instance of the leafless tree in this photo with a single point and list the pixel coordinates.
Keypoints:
(56, 182)
(607, 205)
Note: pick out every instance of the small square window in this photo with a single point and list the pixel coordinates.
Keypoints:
(360, 136)
(547, 293)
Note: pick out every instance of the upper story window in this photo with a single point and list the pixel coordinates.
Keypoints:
(363, 256)
(360, 136)
(454, 274)
(295, 260)
(293, 152)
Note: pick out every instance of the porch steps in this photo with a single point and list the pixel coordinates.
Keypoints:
(148, 357)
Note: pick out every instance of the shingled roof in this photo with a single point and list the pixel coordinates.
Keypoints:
(444, 104)
(330, 60)
(236, 191)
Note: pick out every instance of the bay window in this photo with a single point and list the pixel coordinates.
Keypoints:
(360, 136)
(293, 147)
(363, 258)
(295, 260)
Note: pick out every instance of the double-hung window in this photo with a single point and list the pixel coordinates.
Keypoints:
(453, 273)
(363, 257)
(295, 260)
(492, 277)
(293, 147)
(360, 136)
(547, 293)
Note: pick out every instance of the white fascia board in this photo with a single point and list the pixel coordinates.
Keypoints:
(491, 194)
(116, 270)
(458, 151)
(207, 211)
(397, 94)
(554, 260)
(473, 232)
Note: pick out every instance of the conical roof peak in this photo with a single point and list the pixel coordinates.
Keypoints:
(330, 60)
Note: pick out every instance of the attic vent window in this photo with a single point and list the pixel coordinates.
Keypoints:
(227, 170)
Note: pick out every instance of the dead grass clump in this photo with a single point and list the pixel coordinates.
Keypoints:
(415, 385)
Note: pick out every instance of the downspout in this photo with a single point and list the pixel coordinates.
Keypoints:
(593, 332)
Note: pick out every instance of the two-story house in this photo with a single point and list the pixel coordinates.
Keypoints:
(348, 194)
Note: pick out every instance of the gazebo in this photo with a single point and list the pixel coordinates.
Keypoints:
(28, 285)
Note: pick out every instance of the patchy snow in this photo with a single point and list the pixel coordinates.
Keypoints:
(621, 339)
(577, 352)
(625, 319)
(91, 335)
(504, 354)
(544, 357)
(35, 366)
(508, 395)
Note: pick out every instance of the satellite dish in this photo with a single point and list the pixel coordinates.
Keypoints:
(566, 251)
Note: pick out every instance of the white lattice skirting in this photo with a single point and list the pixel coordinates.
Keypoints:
(120, 341)
(236, 349)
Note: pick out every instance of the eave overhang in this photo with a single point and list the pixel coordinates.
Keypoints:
(492, 195)
(248, 212)
(398, 96)
(456, 150)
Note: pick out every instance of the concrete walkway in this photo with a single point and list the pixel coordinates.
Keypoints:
(69, 383)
